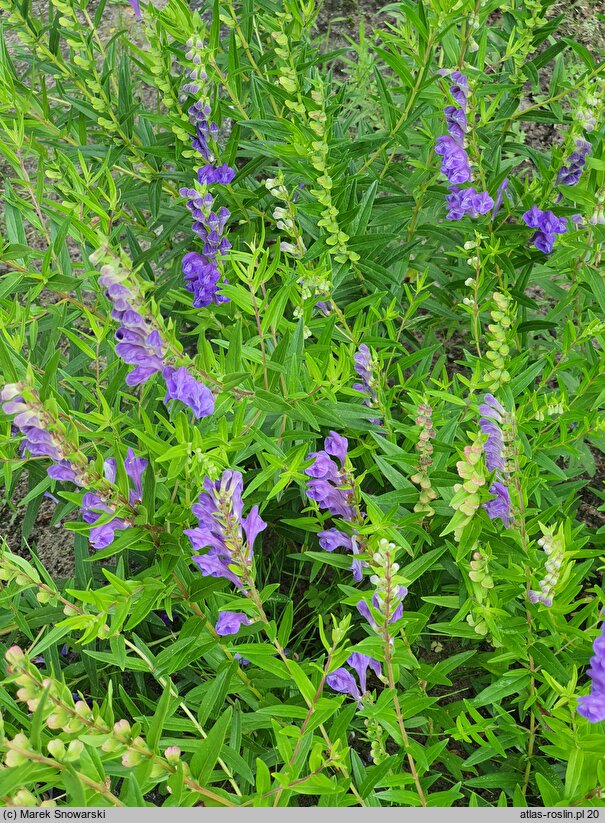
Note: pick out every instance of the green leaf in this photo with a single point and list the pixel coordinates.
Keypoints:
(208, 751)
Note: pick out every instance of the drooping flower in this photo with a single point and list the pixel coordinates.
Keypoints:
(592, 706)
(361, 663)
(180, 385)
(222, 530)
(548, 225)
(343, 681)
(231, 623)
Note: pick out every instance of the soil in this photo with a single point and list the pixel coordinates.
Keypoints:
(337, 21)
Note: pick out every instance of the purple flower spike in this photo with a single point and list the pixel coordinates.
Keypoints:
(231, 623)
(570, 174)
(343, 681)
(180, 385)
(221, 529)
(454, 164)
(361, 663)
(592, 706)
(456, 123)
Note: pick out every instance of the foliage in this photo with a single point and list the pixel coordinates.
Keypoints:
(405, 383)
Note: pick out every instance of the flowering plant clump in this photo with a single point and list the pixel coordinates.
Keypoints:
(302, 381)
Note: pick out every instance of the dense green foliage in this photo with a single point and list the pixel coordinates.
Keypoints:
(118, 690)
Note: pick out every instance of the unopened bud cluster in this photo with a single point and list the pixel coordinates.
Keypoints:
(318, 155)
(467, 499)
(425, 461)
(498, 341)
(554, 549)
(377, 737)
(479, 574)
(285, 217)
(62, 713)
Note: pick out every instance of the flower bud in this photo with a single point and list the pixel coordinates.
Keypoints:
(172, 754)
(74, 750)
(121, 729)
(56, 748)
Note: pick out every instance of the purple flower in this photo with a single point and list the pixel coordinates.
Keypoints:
(343, 681)
(64, 471)
(222, 528)
(136, 8)
(548, 225)
(454, 164)
(38, 441)
(202, 276)
(500, 506)
(135, 468)
(231, 623)
(592, 706)
(180, 385)
(332, 539)
(242, 660)
(494, 447)
(325, 307)
(139, 345)
(92, 509)
(365, 611)
(364, 368)
(501, 191)
(208, 175)
(361, 663)
(467, 202)
(570, 174)
(330, 486)
(493, 411)
(459, 89)
(456, 123)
